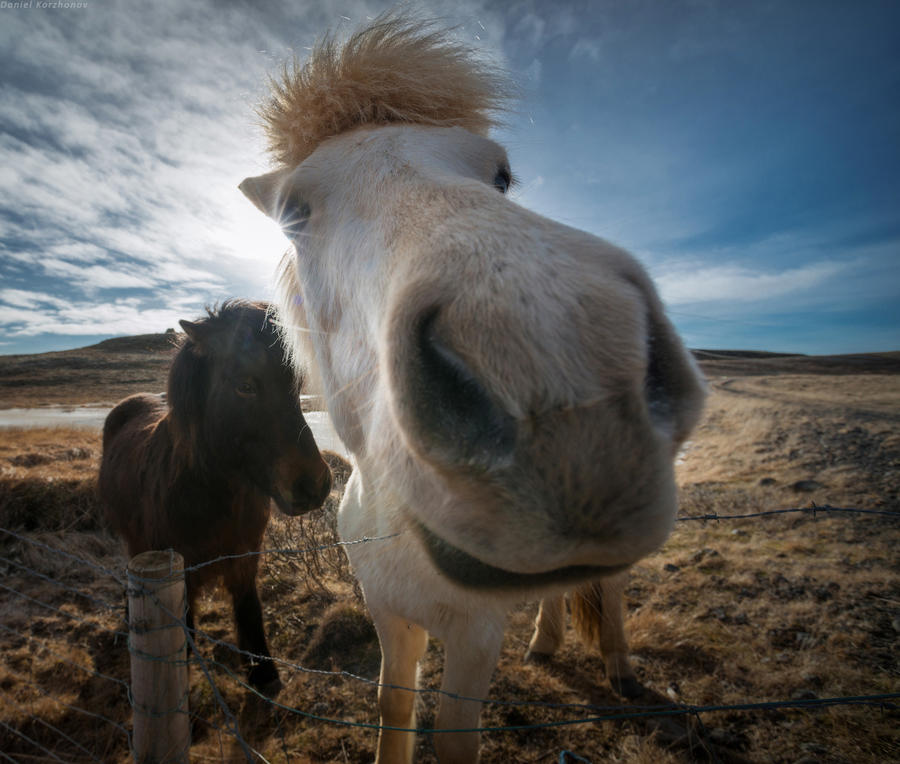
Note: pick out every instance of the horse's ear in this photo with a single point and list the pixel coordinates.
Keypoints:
(197, 331)
(264, 191)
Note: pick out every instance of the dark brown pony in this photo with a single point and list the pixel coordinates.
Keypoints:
(195, 472)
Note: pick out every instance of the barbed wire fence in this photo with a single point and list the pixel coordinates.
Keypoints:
(31, 714)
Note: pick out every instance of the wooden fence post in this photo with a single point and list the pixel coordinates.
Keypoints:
(158, 647)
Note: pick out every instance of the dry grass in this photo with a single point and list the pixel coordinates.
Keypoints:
(774, 608)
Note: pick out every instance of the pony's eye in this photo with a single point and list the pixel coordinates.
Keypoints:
(503, 180)
(246, 389)
(294, 216)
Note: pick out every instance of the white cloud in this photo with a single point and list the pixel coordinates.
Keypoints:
(21, 298)
(686, 284)
(79, 251)
(589, 48)
(93, 277)
(47, 315)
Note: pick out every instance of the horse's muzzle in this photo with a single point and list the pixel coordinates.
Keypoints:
(307, 493)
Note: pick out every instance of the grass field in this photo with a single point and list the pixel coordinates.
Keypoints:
(791, 607)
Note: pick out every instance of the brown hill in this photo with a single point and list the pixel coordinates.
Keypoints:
(117, 367)
(743, 363)
(101, 373)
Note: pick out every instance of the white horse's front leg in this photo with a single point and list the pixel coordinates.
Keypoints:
(402, 645)
(469, 660)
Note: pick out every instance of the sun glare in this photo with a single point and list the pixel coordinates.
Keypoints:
(252, 235)
(253, 241)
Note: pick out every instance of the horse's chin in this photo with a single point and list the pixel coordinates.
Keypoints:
(292, 509)
(466, 570)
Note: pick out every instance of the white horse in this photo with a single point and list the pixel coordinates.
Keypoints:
(509, 388)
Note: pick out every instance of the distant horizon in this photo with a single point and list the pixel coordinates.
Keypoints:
(60, 345)
(745, 153)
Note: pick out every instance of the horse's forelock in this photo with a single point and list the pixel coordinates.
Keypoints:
(397, 70)
(190, 375)
(215, 333)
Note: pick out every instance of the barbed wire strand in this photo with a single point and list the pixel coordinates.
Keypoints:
(564, 757)
(813, 510)
(289, 552)
(293, 552)
(120, 576)
(703, 737)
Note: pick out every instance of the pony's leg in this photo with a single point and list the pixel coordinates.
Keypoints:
(598, 616)
(240, 580)
(613, 643)
(549, 628)
(471, 654)
(402, 645)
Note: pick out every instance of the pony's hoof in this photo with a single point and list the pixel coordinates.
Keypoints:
(627, 687)
(272, 688)
(264, 679)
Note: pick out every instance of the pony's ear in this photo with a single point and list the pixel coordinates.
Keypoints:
(264, 191)
(197, 331)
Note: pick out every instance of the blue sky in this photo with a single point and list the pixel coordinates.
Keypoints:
(748, 153)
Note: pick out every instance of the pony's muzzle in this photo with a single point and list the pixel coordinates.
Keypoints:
(309, 493)
(298, 495)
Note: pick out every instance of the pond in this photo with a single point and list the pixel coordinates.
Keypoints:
(92, 418)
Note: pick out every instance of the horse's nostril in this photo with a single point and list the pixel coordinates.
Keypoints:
(458, 417)
(656, 388)
(674, 390)
(311, 493)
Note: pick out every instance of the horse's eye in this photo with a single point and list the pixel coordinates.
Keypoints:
(503, 180)
(246, 389)
(294, 216)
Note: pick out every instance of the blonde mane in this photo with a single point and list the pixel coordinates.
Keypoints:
(398, 70)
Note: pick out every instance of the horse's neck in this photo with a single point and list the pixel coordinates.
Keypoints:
(186, 459)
